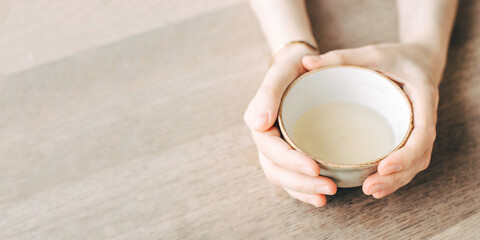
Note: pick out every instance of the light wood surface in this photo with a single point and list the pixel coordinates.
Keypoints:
(132, 128)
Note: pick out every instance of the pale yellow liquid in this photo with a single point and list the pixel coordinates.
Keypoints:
(344, 133)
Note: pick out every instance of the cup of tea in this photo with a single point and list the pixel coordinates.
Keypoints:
(347, 118)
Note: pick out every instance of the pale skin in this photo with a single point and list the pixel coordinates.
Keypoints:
(416, 62)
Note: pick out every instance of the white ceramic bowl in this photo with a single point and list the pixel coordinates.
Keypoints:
(347, 84)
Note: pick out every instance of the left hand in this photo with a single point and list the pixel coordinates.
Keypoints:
(418, 71)
(283, 166)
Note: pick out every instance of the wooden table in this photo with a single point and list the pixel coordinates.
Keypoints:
(121, 123)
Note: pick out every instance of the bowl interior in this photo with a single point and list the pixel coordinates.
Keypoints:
(347, 84)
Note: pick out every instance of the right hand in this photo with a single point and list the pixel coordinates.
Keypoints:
(292, 170)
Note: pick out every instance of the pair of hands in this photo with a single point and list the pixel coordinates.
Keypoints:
(417, 69)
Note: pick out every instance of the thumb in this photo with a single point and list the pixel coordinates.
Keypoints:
(356, 56)
(263, 109)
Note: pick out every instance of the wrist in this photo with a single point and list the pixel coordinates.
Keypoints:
(293, 52)
(435, 54)
(431, 60)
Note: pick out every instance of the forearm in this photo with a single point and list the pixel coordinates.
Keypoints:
(429, 23)
(283, 21)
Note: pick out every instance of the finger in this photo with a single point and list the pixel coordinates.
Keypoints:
(295, 181)
(421, 139)
(276, 149)
(357, 56)
(410, 155)
(380, 186)
(424, 103)
(317, 200)
(264, 106)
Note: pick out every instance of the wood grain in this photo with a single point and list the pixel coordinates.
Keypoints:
(33, 33)
(142, 137)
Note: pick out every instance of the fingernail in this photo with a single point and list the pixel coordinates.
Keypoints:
(307, 170)
(261, 119)
(312, 201)
(323, 189)
(376, 188)
(393, 168)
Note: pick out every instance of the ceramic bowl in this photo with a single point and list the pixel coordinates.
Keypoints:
(347, 84)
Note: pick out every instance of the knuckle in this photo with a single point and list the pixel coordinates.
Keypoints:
(425, 164)
(268, 170)
(373, 50)
(293, 195)
(397, 178)
(271, 177)
(300, 187)
(430, 131)
(376, 55)
(410, 178)
(406, 179)
(338, 55)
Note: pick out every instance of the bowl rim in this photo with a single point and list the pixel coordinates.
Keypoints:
(344, 165)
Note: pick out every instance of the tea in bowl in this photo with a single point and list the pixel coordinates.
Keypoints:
(346, 118)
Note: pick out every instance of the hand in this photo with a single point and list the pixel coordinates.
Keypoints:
(283, 166)
(418, 70)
